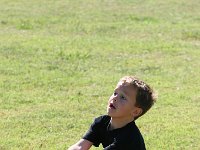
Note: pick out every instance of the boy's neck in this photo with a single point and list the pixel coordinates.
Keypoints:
(116, 123)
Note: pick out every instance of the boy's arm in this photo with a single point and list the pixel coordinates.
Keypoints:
(81, 145)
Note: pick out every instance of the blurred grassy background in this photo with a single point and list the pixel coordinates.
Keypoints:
(60, 61)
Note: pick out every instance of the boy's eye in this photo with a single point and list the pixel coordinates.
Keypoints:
(122, 97)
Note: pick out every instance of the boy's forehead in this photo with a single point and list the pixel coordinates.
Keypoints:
(127, 88)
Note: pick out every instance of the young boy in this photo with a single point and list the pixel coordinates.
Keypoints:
(117, 131)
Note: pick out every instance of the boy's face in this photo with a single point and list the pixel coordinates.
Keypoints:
(121, 104)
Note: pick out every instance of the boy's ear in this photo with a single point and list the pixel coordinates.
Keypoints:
(137, 112)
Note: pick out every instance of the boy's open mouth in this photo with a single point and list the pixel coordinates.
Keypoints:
(112, 106)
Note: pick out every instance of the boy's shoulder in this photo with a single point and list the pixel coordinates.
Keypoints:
(100, 123)
(102, 119)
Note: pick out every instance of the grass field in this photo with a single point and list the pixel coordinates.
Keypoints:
(60, 60)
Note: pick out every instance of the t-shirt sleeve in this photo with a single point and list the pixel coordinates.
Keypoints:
(93, 134)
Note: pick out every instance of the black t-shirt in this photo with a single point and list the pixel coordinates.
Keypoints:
(125, 138)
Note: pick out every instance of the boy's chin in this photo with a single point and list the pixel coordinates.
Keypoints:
(109, 113)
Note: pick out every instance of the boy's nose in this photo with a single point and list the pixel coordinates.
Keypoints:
(115, 98)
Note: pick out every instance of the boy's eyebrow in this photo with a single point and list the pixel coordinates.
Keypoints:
(123, 92)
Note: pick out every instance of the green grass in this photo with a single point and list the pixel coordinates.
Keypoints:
(60, 61)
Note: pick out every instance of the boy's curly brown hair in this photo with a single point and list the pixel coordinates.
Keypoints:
(145, 97)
